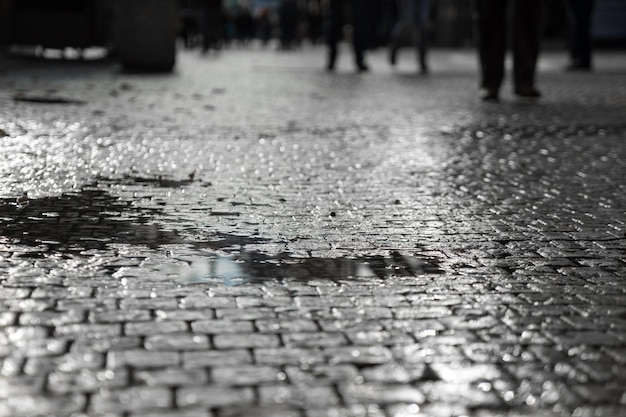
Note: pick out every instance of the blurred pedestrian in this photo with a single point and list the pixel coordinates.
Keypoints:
(212, 18)
(492, 19)
(581, 14)
(288, 15)
(359, 12)
(412, 14)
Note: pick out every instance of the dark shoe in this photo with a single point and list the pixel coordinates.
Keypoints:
(362, 67)
(527, 92)
(578, 66)
(489, 94)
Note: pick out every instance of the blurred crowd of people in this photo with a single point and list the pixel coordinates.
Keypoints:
(213, 24)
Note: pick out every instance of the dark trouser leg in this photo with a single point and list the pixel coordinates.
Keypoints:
(422, 15)
(333, 36)
(491, 27)
(581, 12)
(361, 26)
(527, 20)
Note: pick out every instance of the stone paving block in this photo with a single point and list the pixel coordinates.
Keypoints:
(347, 411)
(149, 328)
(131, 399)
(87, 380)
(8, 293)
(260, 411)
(213, 397)
(422, 312)
(62, 292)
(51, 318)
(207, 301)
(186, 315)
(321, 374)
(20, 385)
(312, 340)
(377, 337)
(171, 377)
(252, 340)
(36, 405)
(274, 326)
(176, 342)
(302, 397)
(254, 302)
(88, 330)
(246, 375)
(88, 304)
(192, 360)
(288, 356)
(105, 345)
(148, 304)
(236, 314)
(393, 373)
(119, 316)
(191, 412)
(380, 394)
(363, 355)
(7, 318)
(139, 358)
(459, 393)
(222, 326)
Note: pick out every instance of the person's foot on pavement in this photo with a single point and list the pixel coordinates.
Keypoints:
(578, 66)
(489, 94)
(362, 67)
(527, 91)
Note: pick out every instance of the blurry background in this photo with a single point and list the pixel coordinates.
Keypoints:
(145, 32)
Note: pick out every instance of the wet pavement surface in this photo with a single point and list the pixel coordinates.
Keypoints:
(254, 236)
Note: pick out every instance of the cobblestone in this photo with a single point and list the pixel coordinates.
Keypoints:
(254, 236)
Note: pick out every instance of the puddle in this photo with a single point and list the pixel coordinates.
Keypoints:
(252, 267)
(89, 219)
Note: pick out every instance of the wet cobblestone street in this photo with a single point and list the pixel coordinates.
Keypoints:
(253, 236)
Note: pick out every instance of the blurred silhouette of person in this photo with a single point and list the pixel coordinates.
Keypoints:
(412, 14)
(314, 20)
(492, 22)
(212, 18)
(581, 14)
(244, 23)
(264, 25)
(359, 11)
(288, 16)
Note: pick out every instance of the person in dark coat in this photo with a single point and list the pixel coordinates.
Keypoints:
(491, 18)
(360, 13)
(581, 14)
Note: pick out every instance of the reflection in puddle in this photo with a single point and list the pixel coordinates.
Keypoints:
(233, 270)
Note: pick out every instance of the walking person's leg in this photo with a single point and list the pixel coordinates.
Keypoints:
(422, 19)
(491, 28)
(335, 23)
(581, 12)
(402, 8)
(527, 24)
(361, 29)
